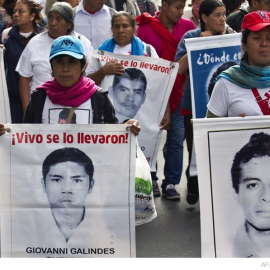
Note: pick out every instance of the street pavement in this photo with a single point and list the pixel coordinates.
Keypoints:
(175, 233)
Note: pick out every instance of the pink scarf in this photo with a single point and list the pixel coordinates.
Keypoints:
(72, 96)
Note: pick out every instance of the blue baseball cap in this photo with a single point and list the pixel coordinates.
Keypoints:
(67, 45)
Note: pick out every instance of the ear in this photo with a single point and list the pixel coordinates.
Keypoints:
(144, 97)
(43, 184)
(84, 68)
(164, 5)
(204, 18)
(254, 3)
(91, 186)
(110, 90)
(244, 47)
(32, 16)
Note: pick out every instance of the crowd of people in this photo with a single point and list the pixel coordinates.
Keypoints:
(35, 79)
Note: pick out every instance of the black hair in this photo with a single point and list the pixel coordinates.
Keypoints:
(131, 74)
(212, 81)
(171, 1)
(131, 18)
(68, 154)
(65, 113)
(206, 8)
(258, 146)
(250, 2)
(231, 5)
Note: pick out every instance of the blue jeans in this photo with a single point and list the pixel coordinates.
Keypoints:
(174, 154)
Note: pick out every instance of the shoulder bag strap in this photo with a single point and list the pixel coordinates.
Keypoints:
(260, 101)
(70, 114)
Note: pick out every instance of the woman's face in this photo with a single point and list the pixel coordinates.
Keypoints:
(21, 15)
(67, 70)
(258, 48)
(122, 31)
(215, 22)
(57, 25)
(254, 191)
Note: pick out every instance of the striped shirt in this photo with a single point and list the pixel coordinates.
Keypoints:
(147, 6)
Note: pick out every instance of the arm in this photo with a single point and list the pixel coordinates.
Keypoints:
(2, 129)
(110, 68)
(166, 120)
(181, 54)
(24, 86)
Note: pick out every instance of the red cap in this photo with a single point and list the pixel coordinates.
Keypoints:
(257, 20)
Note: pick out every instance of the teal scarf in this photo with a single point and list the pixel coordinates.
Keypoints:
(247, 76)
(137, 46)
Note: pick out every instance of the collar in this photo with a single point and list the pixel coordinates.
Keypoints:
(80, 7)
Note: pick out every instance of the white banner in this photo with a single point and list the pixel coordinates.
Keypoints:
(67, 191)
(5, 116)
(233, 157)
(142, 93)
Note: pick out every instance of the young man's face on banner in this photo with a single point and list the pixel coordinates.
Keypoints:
(128, 96)
(254, 191)
(66, 185)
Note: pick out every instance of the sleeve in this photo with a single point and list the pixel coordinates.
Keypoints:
(219, 102)
(153, 52)
(110, 117)
(181, 49)
(89, 51)
(24, 66)
(29, 117)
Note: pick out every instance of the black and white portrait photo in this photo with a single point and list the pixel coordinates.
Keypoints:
(67, 180)
(238, 190)
(67, 191)
(128, 93)
(250, 174)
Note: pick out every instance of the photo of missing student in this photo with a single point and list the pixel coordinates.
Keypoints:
(67, 193)
(128, 93)
(69, 115)
(135, 94)
(240, 183)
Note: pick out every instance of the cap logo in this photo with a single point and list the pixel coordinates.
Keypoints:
(264, 15)
(67, 42)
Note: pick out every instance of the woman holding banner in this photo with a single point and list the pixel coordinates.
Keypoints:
(26, 16)
(70, 89)
(212, 15)
(243, 90)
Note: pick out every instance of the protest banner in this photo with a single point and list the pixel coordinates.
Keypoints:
(208, 56)
(5, 116)
(67, 191)
(233, 157)
(141, 93)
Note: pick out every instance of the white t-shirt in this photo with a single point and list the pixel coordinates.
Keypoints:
(34, 60)
(229, 99)
(57, 114)
(126, 50)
